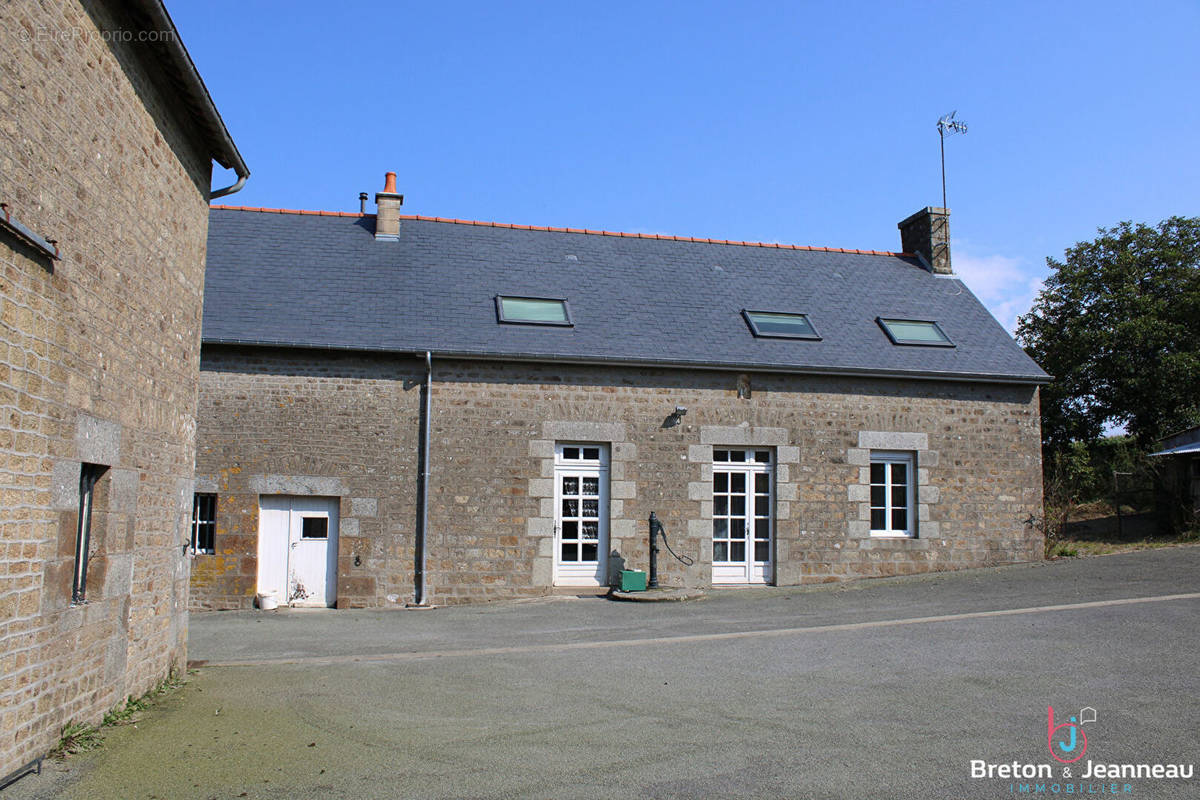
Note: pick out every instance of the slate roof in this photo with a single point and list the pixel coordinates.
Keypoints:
(321, 280)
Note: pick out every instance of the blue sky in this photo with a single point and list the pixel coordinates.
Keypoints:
(804, 123)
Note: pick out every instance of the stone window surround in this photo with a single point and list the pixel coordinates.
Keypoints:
(926, 494)
(540, 528)
(748, 436)
(352, 508)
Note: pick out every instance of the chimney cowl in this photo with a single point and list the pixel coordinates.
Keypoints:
(926, 234)
(387, 212)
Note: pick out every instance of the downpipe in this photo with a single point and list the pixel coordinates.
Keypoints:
(419, 588)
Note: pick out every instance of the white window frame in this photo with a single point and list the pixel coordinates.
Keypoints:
(749, 570)
(571, 460)
(909, 460)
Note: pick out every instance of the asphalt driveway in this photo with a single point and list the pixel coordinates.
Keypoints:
(876, 689)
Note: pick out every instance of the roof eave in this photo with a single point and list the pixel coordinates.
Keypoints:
(199, 102)
(543, 358)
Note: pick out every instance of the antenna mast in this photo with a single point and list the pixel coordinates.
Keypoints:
(948, 123)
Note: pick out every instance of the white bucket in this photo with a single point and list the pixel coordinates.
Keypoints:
(268, 601)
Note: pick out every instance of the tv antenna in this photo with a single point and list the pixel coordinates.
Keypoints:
(948, 123)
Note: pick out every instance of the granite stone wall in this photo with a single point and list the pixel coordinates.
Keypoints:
(348, 424)
(99, 354)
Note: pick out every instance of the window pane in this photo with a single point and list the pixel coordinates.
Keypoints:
(762, 483)
(899, 473)
(591, 453)
(314, 528)
(720, 529)
(529, 309)
(721, 482)
(571, 453)
(591, 508)
(762, 505)
(570, 508)
(762, 551)
(899, 496)
(878, 494)
(591, 530)
(878, 519)
(877, 473)
(737, 506)
(906, 330)
(899, 519)
(737, 482)
(720, 455)
(773, 324)
(591, 486)
(207, 506)
(737, 455)
(589, 552)
(720, 551)
(206, 536)
(570, 551)
(570, 485)
(737, 550)
(762, 529)
(762, 456)
(720, 505)
(570, 530)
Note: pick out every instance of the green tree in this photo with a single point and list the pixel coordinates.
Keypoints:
(1118, 326)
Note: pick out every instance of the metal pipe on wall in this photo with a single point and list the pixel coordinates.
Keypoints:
(419, 593)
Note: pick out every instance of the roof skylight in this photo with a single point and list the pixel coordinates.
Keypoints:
(775, 324)
(533, 310)
(914, 331)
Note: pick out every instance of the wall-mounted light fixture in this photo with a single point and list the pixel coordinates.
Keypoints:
(674, 417)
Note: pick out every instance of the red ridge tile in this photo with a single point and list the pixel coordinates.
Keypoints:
(583, 231)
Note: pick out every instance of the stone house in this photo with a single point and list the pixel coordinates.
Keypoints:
(106, 146)
(404, 409)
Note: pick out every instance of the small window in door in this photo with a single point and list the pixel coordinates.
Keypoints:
(314, 528)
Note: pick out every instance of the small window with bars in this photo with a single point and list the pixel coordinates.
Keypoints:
(204, 523)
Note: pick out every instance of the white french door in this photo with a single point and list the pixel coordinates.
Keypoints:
(743, 522)
(580, 514)
(297, 549)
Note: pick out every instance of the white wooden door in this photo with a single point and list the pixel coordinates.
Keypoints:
(297, 549)
(743, 522)
(580, 515)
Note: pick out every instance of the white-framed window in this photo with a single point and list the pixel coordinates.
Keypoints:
(581, 514)
(893, 475)
(204, 523)
(743, 515)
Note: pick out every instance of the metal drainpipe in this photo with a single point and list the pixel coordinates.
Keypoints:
(228, 190)
(161, 22)
(419, 578)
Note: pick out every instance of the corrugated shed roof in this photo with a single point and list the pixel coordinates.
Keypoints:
(322, 280)
(1181, 450)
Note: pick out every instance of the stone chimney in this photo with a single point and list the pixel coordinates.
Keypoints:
(387, 215)
(927, 234)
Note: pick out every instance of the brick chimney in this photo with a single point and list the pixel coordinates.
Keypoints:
(387, 216)
(927, 234)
